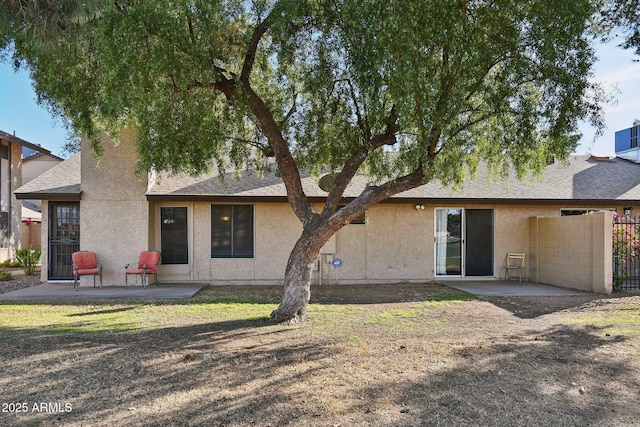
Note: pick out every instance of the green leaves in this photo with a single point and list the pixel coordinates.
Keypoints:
(28, 259)
(455, 81)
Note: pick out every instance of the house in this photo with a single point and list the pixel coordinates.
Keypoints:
(10, 179)
(626, 143)
(241, 231)
(34, 163)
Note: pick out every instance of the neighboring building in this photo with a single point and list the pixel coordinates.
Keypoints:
(241, 231)
(10, 179)
(36, 164)
(33, 165)
(627, 143)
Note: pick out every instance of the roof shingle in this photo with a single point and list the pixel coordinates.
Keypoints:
(582, 178)
(61, 181)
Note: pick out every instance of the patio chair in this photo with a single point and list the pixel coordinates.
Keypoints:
(515, 262)
(147, 264)
(85, 263)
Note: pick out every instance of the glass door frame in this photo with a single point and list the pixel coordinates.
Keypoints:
(63, 239)
(175, 268)
(446, 235)
(461, 235)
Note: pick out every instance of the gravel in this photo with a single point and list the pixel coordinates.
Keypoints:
(19, 281)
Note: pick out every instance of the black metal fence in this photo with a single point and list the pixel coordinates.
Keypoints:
(626, 252)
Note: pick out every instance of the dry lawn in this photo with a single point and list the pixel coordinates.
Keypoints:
(378, 356)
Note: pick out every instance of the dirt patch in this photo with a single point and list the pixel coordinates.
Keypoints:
(376, 356)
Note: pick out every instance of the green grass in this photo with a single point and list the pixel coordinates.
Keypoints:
(121, 317)
(82, 317)
(622, 320)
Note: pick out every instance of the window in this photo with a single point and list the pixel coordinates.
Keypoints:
(362, 219)
(570, 212)
(231, 231)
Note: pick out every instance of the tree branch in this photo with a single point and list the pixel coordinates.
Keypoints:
(352, 165)
(375, 194)
(227, 87)
(284, 159)
(363, 123)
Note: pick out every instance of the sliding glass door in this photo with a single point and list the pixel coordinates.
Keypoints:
(464, 242)
(448, 242)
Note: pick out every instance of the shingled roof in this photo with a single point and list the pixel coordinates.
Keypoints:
(61, 182)
(582, 180)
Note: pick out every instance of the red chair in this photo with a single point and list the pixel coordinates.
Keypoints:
(85, 263)
(147, 264)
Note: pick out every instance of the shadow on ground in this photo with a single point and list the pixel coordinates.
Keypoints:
(238, 373)
(527, 307)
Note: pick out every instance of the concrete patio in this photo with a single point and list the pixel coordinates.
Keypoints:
(493, 287)
(65, 291)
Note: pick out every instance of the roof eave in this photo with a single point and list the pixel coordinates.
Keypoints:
(20, 141)
(407, 200)
(55, 197)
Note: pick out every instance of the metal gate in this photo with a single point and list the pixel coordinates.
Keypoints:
(626, 252)
(64, 239)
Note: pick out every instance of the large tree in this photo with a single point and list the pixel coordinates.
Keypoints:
(619, 18)
(405, 92)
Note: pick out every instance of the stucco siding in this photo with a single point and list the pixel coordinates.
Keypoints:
(15, 205)
(395, 245)
(399, 239)
(511, 230)
(351, 248)
(276, 231)
(201, 253)
(116, 239)
(113, 209)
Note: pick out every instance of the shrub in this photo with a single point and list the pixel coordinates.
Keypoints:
(5, 276)
(28, 259)
(9, 264)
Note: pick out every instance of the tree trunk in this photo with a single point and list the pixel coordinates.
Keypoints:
(297, 278)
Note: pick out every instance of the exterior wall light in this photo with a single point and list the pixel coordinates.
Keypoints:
(419, 207)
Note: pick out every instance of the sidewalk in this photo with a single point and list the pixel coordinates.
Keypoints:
(65, 291)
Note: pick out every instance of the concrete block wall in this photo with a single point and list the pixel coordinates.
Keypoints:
(572, 251)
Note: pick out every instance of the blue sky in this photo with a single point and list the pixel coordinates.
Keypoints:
(20, 113)
(616, 70)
